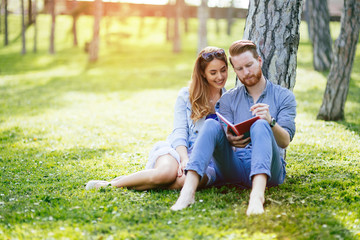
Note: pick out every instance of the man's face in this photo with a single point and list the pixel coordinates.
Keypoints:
(247, 68)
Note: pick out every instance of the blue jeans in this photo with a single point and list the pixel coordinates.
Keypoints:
(261, 156)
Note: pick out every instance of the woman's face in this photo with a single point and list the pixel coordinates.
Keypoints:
(216, 73)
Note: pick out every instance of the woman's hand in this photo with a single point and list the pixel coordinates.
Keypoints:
(237, 141)
(182, 166)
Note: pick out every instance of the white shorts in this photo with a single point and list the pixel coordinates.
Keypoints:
(160, 149)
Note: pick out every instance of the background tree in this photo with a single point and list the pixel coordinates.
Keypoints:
(23, 29)
(30, 13)
(332, 108)
(230, 17)
(169, 15)
(1, 6)
(177, 35)
(202, 31)
(6, 34)
(52, 4)
(274, 27)
(318, 19)
(35, 26)
(75, 12)
(94, 45)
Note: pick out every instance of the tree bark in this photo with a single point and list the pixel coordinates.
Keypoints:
(318, 20)
(35, 27)
(202, 31)
(332, 108)
(177, 35)
(23, 41)
(274, 26)
(6, 33)
(52, 4)
(94, 45)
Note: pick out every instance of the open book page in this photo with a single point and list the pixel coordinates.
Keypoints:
(238, 129)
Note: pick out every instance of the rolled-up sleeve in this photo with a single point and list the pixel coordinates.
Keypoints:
(287, 113)
(179, 135)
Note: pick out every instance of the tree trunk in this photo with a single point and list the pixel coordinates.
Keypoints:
(177, 35)
(274, 26)
(6, 34)
(1, 5)
(318, 20)
(30, 17)
(168, 21)
(75, 15)
(230, 17)
(23, 50)
(202, 32)
(35, 26)
(52, 4)
(217, 19)
(94, 45)
(332, 108)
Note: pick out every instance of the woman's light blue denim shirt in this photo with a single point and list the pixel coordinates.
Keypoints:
(185, 131)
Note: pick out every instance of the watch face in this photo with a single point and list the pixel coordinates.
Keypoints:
(273, 122)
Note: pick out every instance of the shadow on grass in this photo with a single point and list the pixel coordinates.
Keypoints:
(112, 73)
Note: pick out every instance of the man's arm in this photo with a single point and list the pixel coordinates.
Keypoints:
(282, 137)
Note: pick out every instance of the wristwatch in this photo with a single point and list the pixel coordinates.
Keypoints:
(272, 122)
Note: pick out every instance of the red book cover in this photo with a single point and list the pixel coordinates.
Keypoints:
(242, 128)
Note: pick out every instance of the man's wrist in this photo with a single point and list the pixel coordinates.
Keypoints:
(272, 122)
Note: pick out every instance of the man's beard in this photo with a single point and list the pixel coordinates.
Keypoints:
(255, 78)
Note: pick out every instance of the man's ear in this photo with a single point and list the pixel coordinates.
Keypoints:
(260, 61)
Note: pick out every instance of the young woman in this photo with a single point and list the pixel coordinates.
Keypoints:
(194, 104)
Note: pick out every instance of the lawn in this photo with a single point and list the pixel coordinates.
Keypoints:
(64, 121)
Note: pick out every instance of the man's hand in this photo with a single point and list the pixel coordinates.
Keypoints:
(261, 110)
(237, 141)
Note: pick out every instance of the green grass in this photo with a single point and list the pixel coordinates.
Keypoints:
(64, 121)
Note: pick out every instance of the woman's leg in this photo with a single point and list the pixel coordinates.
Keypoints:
(164, 173)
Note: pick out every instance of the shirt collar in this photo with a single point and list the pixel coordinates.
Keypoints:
(267, 87)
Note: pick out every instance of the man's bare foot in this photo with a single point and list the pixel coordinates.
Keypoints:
(183, 201)
(256, 205)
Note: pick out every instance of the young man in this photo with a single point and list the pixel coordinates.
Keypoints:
(254, 162)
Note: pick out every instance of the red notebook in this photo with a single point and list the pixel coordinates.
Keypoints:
(242, 128)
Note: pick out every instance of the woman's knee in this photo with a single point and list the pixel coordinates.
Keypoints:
(166, 170)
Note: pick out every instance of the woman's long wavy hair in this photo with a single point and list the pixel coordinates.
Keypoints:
(199, 86)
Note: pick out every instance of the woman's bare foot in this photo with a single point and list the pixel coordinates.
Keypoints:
(256, 205)
(96, 184)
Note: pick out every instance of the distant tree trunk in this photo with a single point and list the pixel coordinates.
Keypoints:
(318, 20)
(94, 45)
(6, 34)
(230, 17)
(52, 4)
(23, 50)
(217, 19)
(35, 26)
(332, 108)
(274, 27)
(75, 15)
(202, 32)
(186, 17)
(1, 5)
(168, 21)
(177, 35)
(30, 17)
